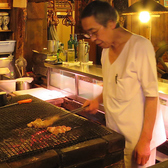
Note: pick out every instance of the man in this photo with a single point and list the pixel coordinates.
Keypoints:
(130, 92)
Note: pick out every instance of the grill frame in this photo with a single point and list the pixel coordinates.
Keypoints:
(65, 156)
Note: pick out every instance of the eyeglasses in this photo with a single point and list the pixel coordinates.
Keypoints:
(92, 34)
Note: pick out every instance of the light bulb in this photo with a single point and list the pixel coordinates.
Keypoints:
(144, 16)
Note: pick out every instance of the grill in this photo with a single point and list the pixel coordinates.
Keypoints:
(18, 142)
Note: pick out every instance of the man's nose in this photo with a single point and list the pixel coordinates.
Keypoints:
(93, 38)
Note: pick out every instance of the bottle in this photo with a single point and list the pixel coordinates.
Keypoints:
(62, 53)
(71, 55)
(75, 42)
(70, 42)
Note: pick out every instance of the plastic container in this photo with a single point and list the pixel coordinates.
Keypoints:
(4, 71)
(4, 62)
(7, 46)
(8, 85)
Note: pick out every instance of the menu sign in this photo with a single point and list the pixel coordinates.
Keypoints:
(166, 3)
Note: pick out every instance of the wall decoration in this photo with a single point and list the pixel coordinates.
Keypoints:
(166, 3)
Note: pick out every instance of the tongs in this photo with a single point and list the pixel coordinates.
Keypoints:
(49, 121)
(72, 112)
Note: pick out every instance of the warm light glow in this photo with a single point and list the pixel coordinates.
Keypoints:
(144, 16)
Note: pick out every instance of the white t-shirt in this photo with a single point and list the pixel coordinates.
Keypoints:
(126, 83)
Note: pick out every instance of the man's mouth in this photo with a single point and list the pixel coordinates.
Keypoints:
(99, 44)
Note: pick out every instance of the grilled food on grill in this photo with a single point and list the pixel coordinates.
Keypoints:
(39, 123)
(58, 129)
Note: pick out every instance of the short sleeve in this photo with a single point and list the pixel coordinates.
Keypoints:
(146, 68)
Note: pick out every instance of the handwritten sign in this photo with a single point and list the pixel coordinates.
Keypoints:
(166, 3)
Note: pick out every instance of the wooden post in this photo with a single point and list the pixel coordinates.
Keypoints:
(21, 14)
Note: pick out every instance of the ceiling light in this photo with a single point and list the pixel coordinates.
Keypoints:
(144, 17)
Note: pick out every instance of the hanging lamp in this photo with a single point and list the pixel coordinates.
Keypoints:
(145, 5)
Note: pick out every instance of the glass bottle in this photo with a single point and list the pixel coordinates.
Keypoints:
(75, 42)
(70, 42)
(62, 53)
(71, 54)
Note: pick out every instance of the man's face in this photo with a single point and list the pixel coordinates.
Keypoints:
(98, 33)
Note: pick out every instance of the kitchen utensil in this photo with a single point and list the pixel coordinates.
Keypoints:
(21, 64)
(23, 83)
(18, 102)
(3, 98)
(53, 45)
(18, 70)
(71, 112)
(83, 51)
(58, 117)
(4, 62)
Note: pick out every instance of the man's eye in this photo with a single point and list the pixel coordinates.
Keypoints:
(94, 32)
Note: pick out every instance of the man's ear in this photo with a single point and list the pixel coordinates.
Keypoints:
(112, 24)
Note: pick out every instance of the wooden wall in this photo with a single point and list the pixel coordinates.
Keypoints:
(158, 27)
(36, 30)
(36, 33)
(156, 30)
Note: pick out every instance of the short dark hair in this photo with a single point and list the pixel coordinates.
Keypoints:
(102, 12)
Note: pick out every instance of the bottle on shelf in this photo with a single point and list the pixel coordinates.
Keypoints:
(62, 53)
(71, 54)
(75, 42)
(70, 42)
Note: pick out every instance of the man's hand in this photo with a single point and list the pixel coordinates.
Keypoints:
(142, 152)
(93, 106)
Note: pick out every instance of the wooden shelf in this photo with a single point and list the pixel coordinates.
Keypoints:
(4, 31)
(5, 8)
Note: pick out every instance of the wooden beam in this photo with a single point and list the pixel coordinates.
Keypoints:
(37, 1)
(129, 3)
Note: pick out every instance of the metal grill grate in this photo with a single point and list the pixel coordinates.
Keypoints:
(18, 141)
(27, 141)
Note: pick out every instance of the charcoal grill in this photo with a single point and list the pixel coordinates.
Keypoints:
(87, 144)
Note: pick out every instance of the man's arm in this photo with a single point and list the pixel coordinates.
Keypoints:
(142, 149)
